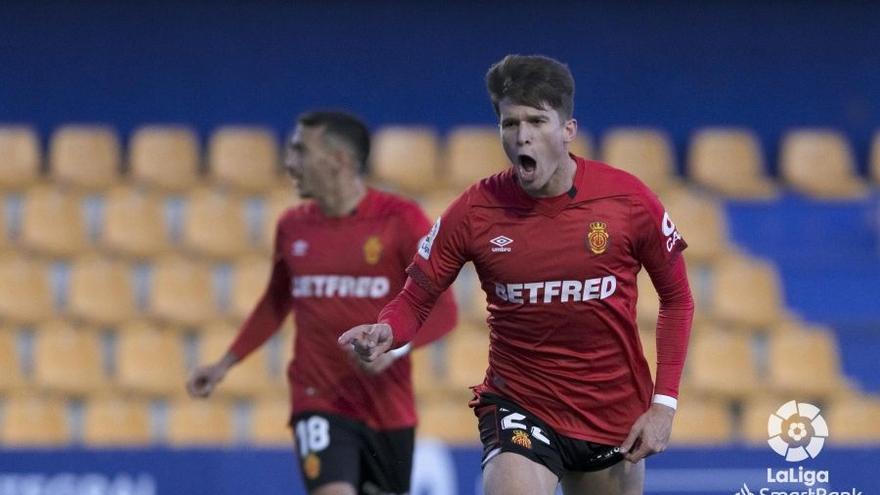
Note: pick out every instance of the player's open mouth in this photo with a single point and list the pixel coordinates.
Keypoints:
(527, 167)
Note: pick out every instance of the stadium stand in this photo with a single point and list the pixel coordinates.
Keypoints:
(854, 421)
(645, 153)
(67, 360)
(34, 421)
(874, 163)
(214, 224)
(447, 419)
(279, 200)
(134, 224)
(268, 421)
(472, 152)
(702, 422)
(20, 157)
(182, 291)
(739, 282)
(25, 292)
(805, 364)
(820, 163)
(722, 364)
(250, 277)
(405, 158)
(53, 222)
(116, 421)
(251, 377)
(11, 376)
(244, 159)
(101, 291)
(194, 423)
(139, 347)
(730, 163)
(85, 157)
(704, 221)
(165, 158)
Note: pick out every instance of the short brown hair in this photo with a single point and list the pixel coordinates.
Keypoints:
(345, 126)
(533, 80)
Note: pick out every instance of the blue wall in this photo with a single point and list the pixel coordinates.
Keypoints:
(766, 65)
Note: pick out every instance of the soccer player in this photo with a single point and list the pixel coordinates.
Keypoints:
(337, 261)
(557, 242)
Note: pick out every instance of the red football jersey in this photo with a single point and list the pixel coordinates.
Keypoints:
(336, 273)
(560, 281)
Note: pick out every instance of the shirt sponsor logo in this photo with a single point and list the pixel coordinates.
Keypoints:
(340, 286)
(669, 230)
(501, 242)
(428, 240)
(598, 237)
(557, 290)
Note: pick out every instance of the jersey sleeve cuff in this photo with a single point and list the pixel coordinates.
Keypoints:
(401, 351)
(665, 400)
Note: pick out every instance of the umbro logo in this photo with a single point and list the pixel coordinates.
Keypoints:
(501, 242)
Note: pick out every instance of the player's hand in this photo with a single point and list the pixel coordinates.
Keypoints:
(374, 367)
(203, 380)
(650, 433)
(367, 341)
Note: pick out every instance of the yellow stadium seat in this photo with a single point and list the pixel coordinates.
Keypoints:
(53, 222)
(820, 163)
(729, 162)
(874, 164)
(101, 291)
(854, 421)
(436, 202)
(755, 415)
(702, 422)
(473, 153)
(648, 336)
(467, 356)
(805, 363)
(34, 421)
(425, 377)
(11, 376)
(278, 201)
(134, 223)
(214, 224)
(25, 293)
(645, 153)
(648, 303)
(449, 420)
(164, 157)
(243, 158)
(182, 291)
(86, 157)
(405, 158)
(68, 360)
(116, 422)
(746, 292)
(701, 221)
(722, 364)
(582, 145)
(149, 360)
(248, 378)
(250, 277)
(19, 157)
(199, 423)
(269, 422)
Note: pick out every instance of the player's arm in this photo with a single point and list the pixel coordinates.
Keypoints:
(660, 252)
(263, 322)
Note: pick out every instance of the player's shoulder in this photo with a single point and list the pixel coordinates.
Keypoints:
(499, 189)
(615, 181)
(386, 204)
(298, 213)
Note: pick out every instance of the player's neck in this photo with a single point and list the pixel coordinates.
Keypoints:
(343, 199)
(561, 181)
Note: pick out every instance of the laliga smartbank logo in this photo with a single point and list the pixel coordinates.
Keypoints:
(797, 431)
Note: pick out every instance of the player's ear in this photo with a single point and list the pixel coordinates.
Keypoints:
(569, 130)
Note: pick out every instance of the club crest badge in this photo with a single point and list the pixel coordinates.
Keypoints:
(372, 250)
(597, 239)
(522, 439)
(312, 466)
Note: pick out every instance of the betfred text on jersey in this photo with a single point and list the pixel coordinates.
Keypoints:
(340, 286)
(557, 290)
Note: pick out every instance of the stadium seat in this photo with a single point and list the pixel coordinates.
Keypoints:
(19, 157)
(116, 421)
(472, 153)
(134, 224)
(11, 376)
(149, 360)
(25, 293)
(854, 421)
(426, 378)
(805, 363)
(4, 231)
(729, 162)
(182, 291)
(436, 202)
(874, 164)
(214, 224)
(648, 337)
(85, 157)
(199, 423)
(820, 163)
(702, 422)
(648, 303)
(53, 223)
(467, 356)
(164, 157)
(645, 153)
(755, 414)
(248, 378)
(68, 360)
(582, 145)
(405, 158)
(746, 292)
(34, 421)
(722, 364)
(278, 201)
(269, 419)
(250, 277)
(101, 291)
(701, 221)
(449, 420)
(243, 158)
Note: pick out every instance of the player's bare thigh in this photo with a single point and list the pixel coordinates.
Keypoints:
(623, 478)
(512, 474)
(335, 488)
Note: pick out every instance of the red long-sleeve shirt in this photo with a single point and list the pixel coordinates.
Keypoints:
(560, 281)
(336, 273)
